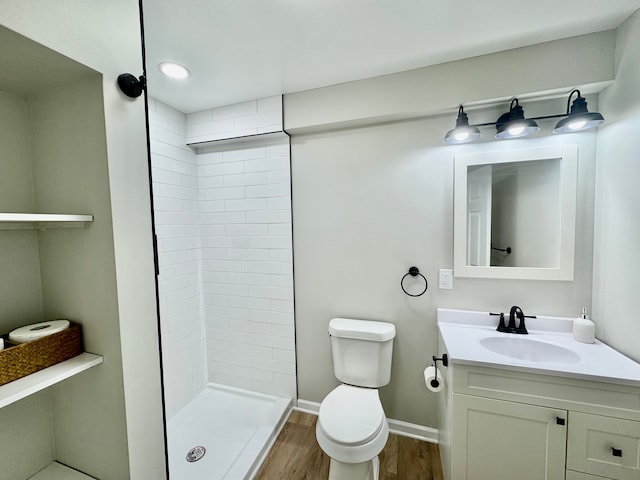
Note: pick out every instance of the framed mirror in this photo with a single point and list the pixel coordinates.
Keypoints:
(514, 213)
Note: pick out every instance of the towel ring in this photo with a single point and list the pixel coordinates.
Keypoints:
(414, 272)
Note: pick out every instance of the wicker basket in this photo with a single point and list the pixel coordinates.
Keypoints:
(17, 361)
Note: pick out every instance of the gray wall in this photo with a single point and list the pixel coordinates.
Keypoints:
(617, 222)
(370, 202)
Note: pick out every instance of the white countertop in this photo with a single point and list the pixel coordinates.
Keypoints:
(462, 331)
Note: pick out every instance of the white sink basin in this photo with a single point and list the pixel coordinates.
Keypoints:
(529, 350)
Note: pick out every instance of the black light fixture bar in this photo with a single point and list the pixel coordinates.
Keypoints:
(576, 118)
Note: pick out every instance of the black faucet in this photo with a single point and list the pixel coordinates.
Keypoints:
(515, 312)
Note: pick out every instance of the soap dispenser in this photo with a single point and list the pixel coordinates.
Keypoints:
(584, 330)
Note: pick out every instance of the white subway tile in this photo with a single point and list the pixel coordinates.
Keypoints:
(164, 109)
(270, 242)
(279, 148)
(280, 229)
(214, 169)
(275, 127)
(240, 371)
(230, 312)
(273, 366)
(270, 341)
(288, 356)
(282, 306)
(269, 216)
(213, 128)
(218, 241)
(272, 117)
(230, 380)
(180, 256)
(247, 229)
(212, 206)
(214, 254)
(235, 110)
(245, 204)
(225, 193)
(238, 155)
(271, 292)
(284, 379)
(165, 176)
(215, 277)
(209, 158)
(266, 164)
(161, 204)
(230, 358)
(227, 265)
(250, 327)
(279, 203)
(281, 255)
(245, 179)
(210, 182)
(198, 117)
(212, 231)
(279, 176)
(220, 218)
(273, 389)
(272, 317)
(269, 267)
(226, 289)
(286, 331)
(250, 303)
(242, 348)
(173, 244)
(275, 190)
(175, 191)
(247, 254)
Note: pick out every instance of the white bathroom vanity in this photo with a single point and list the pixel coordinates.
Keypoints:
(536, 406)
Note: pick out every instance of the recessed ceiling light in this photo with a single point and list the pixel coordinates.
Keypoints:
(174, 70)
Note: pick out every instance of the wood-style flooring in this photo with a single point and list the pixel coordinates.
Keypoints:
(296, 455)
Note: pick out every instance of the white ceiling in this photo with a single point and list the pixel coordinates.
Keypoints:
(240, 50)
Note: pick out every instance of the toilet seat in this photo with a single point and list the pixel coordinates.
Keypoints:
(351, 416)
(351, 426)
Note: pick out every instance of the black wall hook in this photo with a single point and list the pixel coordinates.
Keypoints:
(414, 272)
(131, 86)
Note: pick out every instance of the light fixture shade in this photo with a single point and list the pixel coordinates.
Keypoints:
(579, 118)
(463, 133)
(513, 124)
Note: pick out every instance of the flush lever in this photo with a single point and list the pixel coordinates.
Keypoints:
(616, 452)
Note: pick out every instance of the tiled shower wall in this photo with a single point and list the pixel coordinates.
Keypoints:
(223, 220)
(247, 268)
(175, 199)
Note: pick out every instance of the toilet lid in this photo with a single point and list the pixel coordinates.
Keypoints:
(351, 415)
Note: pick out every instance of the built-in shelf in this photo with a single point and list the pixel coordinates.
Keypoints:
(57, 471)
(19, 221)
(25, 386)
(258, 137)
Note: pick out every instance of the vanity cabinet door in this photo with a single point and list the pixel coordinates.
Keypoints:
(604, 446)
(494, 439)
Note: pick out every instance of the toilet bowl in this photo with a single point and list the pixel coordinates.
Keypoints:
(352, 430)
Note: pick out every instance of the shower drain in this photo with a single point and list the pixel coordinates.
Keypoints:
(196, 453)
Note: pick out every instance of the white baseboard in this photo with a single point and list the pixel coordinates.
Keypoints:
(398, 427)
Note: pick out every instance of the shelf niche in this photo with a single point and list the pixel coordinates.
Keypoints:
(54, 159)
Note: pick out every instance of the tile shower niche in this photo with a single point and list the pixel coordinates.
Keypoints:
(56, 261)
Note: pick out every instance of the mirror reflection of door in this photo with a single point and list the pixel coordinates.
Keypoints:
(479, 188)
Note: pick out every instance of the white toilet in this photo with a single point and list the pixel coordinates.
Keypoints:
(352, 428)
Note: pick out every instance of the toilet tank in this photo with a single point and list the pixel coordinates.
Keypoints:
(362, 351)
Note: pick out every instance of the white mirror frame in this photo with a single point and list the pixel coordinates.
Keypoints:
(568, 183)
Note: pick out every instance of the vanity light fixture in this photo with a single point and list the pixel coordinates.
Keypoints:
(463, 133)
(174, 70)
(579, 118)
(513, 123)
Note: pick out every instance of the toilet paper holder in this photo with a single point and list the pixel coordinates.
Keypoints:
(445, 363)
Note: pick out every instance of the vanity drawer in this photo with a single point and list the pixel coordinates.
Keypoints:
(604, 446)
